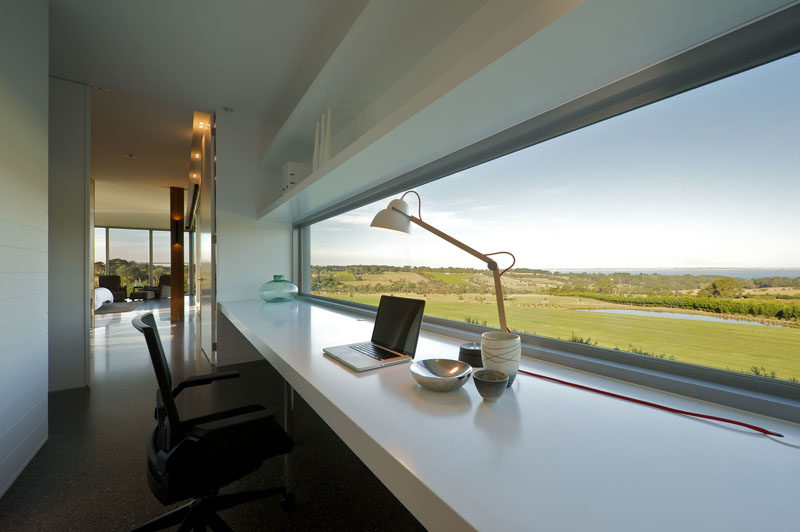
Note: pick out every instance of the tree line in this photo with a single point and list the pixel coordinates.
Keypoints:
(744, 307)
(133, 273)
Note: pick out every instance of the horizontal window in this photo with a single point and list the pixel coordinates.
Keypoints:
(667, 232)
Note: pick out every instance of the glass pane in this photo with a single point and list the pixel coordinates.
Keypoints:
(669, 232)
(99, 253)
(162, 260)
(130, 254)
(161, 255)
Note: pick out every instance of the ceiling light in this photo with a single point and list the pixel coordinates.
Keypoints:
(130, 155)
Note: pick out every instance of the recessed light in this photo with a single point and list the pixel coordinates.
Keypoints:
(130, 155)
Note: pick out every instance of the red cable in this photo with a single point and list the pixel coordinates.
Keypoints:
(513, 259)
(655, 405)
(419, 200)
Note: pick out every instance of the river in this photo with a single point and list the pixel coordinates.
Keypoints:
(676, 315)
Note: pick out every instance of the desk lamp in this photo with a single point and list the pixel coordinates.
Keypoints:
(395, 217)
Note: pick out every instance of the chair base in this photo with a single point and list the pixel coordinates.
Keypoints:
(202, 512)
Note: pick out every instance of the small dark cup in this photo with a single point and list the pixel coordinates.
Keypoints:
(490, 384)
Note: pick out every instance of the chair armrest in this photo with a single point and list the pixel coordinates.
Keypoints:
(248, 424)
(201, 380)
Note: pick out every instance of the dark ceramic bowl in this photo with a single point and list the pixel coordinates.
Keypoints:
(490, 384)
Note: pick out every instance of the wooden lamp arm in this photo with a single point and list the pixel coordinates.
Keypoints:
(457, 243)
(490, 263)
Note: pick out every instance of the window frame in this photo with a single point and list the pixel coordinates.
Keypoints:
(189, 238)
(765, 40)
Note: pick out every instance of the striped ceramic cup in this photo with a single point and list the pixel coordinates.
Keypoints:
(501, 351)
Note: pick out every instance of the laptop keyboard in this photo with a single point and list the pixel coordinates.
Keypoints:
(371, 351)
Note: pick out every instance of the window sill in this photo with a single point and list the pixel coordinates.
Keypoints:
(759, 395)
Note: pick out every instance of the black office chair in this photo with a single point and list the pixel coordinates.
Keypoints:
(194, 458)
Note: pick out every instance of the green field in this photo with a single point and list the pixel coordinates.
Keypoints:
(449, 278)
(733, 346)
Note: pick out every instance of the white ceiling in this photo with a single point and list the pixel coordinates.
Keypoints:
(163, 60)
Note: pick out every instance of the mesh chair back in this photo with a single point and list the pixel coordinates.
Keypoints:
(146, 324)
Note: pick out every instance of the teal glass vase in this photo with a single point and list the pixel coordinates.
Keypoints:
(279, 289)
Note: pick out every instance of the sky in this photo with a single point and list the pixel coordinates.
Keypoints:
(706, 179)
(134, 244)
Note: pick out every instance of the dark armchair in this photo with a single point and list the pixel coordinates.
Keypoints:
(113, 283)
(195, 458)
(163, 286)
(162, 290)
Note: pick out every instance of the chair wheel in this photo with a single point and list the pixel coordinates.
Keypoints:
(288, 502)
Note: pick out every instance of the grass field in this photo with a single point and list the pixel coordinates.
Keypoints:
(733, 346)
(392, 276)
(450, 278)
(345, 276)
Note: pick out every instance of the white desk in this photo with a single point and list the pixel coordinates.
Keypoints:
(545, 456)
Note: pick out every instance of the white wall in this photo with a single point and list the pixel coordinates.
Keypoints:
(23, 234)
(249, 251)
(70, 246)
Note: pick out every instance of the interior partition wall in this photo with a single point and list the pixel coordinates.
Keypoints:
(23, 234)
(69, 240)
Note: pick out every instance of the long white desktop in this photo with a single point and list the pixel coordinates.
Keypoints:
(545, 456)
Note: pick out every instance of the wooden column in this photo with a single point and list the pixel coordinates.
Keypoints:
(176, 252)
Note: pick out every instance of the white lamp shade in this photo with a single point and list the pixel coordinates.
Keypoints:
(390, 218)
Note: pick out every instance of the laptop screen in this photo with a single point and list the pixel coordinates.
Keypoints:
(397, 324)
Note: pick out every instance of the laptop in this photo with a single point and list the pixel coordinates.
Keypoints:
(394, 337)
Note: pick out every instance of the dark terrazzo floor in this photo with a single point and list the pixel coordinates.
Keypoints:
(90, 474)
